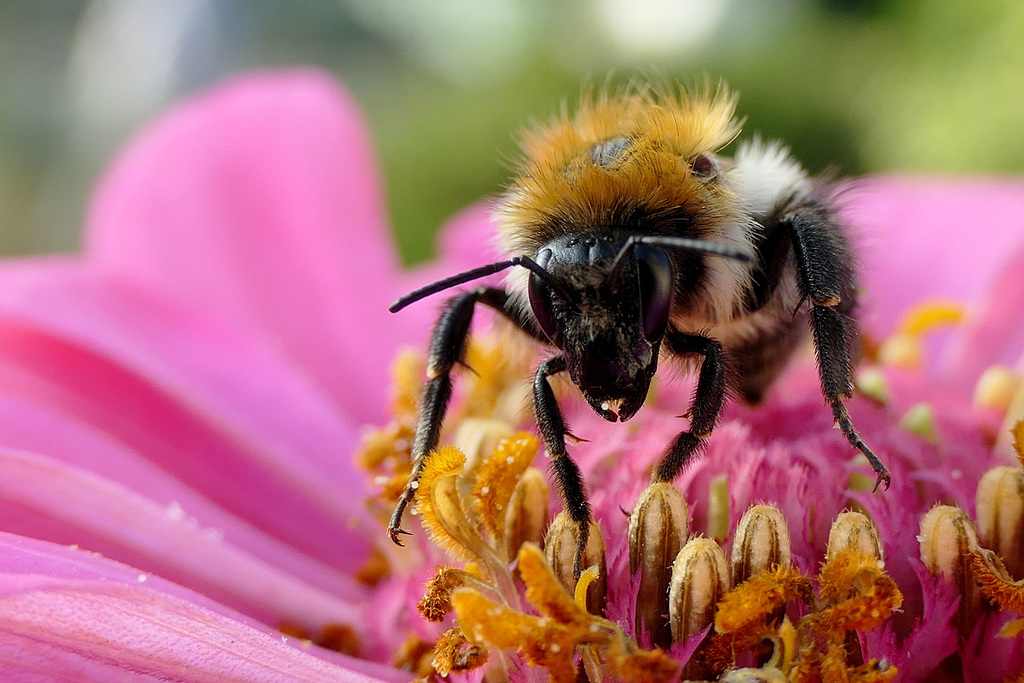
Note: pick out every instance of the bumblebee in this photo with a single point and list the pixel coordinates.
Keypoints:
(632, 240)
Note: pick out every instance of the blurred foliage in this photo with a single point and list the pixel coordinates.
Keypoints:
(861, 86)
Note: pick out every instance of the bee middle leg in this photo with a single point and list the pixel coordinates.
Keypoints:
(553, 430)
(447, 348)
(707, 401)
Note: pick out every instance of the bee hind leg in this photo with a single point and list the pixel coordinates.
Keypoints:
(447, 348)
(707, 401)
(828, 326)
(825, 265)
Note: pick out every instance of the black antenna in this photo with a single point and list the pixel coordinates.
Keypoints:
(476, 274)
(681, 243)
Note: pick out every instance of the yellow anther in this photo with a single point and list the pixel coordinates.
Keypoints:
(589, 576)
(901, 350)
(905, 347)
(718, 508)
(931, 315)
(996, 388)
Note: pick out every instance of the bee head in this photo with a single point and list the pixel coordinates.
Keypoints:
(607, 314)
(603, 296)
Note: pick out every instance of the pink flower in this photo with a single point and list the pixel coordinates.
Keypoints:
(186, 399)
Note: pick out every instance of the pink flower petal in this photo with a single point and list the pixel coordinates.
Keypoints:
(25, 425)
(51, 501)
(90, 630)
(217, 410)
(933, 638)
(259, 203)
(54, 627)
(928, 239)
(994, 332)
(468, 240)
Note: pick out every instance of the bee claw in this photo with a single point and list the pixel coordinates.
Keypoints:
(575, 439)
(394, 533)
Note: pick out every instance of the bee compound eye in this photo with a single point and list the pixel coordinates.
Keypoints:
(543, 311)
(657, 286)
(704, 166)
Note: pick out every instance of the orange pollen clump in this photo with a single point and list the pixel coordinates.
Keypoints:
(453, 653)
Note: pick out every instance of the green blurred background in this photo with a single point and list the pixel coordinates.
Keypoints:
(861, 85)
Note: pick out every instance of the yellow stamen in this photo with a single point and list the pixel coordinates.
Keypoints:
(658, 527)
(947, 540)
(995, 582)
(749, 605)
(375, 569)
(436, 602)
(1018, 440)
(854, 531)
(477, 437)
(440, 506)
(835, 668)
(932, 315)
(761, 542)
(496, 373)
(718, 508)
(560, 550)
(861, 594)
(527, 515)
(1000, 515)
(1012, 629)
(387, 452)
(415, 655)
(700, 577)
(497, 477)
(996, 388)
(905, 348)
(551, 639)
(902, 351)
(786, 648)
(453, 653)
(587, 578)
(1018, 432)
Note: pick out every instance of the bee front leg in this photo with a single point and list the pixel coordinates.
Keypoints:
(553, 431)
(826, 271)
(707, 401)
(447, 348)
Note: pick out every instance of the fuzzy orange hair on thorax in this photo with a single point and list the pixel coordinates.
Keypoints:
(618, 159)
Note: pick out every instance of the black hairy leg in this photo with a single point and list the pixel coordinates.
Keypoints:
(826, 271)
(447, 348)
(567, 473)
(707, 401)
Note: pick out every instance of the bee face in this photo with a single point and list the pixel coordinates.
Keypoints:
(608, 316)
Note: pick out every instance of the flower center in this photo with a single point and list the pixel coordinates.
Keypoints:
(679, 606)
